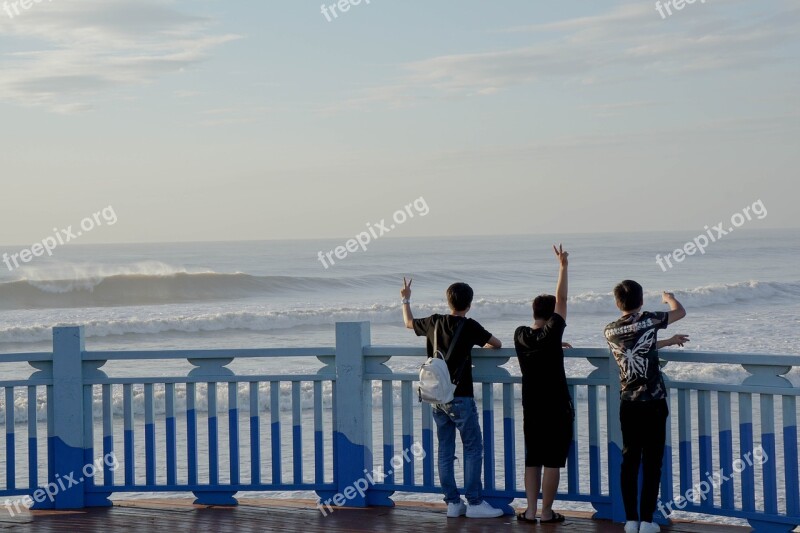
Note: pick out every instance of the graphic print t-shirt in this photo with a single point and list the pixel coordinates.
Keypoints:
(471, 335)
(632, 340)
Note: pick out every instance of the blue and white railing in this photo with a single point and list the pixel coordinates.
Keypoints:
(215, 432)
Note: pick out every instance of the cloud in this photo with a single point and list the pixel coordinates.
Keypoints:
(627, 42)
(64, 54)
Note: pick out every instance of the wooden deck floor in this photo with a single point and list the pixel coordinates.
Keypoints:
(179, 516)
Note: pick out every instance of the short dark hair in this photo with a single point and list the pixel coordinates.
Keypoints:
(544, 306)
(459, 296)
(629, 295)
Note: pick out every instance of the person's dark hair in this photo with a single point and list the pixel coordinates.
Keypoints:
(629, 295)
(544, 306)
(459, 296)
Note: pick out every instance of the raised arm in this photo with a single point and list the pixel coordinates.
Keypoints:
(405, 293)
(561, 286)
(676, 310)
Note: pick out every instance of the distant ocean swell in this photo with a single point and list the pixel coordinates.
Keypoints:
(163, 285)
(144, 289)
(145, 322)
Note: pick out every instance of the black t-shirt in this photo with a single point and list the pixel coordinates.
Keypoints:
(471, 335)
(632, 340)
(541, 359)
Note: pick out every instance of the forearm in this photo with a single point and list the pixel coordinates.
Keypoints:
(494, 342)
(408, 317)
(675, 305)
(676, 310)
(562, 285)
(663, 344)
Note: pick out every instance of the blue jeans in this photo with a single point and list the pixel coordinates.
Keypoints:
(461, 414)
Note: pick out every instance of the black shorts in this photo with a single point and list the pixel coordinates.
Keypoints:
(548, 435)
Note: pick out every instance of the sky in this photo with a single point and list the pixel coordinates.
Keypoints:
(211, 120)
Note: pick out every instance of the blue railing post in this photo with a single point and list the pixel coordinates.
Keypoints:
(65, 489)
(666, 493)
(212, 371)
(767, 377)
(603, 506)
(490, 367)
(614, 442)
(352, 451)
(93, 497)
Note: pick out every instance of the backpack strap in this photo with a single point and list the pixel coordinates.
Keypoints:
(457, 334)
(455, 339)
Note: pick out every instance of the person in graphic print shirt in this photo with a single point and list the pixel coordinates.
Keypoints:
(643, 407)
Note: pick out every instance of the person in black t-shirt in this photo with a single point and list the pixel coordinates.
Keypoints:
(460, 414)
(547, 408)
(643, 406)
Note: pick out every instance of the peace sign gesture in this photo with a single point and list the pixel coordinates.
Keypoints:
(405, 292)
(561, 255)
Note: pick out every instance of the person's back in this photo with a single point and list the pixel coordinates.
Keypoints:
(547, 408)
(461, 414)
(632, 339)
(460, 361)
(541, 360)
(643, 411)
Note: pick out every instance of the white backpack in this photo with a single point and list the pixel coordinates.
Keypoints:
(435, 385)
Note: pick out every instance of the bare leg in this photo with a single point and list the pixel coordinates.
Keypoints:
(533, 481)
(550, 481)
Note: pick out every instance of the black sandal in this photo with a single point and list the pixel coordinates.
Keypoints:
(522, 518)
(557, 517)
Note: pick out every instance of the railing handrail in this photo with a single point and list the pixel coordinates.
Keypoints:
(678, 356)
(26, 357)
(124, 355)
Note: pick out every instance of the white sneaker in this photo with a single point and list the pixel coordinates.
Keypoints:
(631, 526)
(454, 510)
(649, 527)
(483, 510)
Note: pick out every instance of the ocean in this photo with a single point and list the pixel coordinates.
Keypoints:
(742, 294)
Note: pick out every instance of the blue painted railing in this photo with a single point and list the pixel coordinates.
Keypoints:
(353, 431)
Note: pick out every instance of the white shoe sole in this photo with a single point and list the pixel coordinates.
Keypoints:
(485, 515)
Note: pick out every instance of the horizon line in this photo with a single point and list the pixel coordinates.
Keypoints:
(443, 236)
